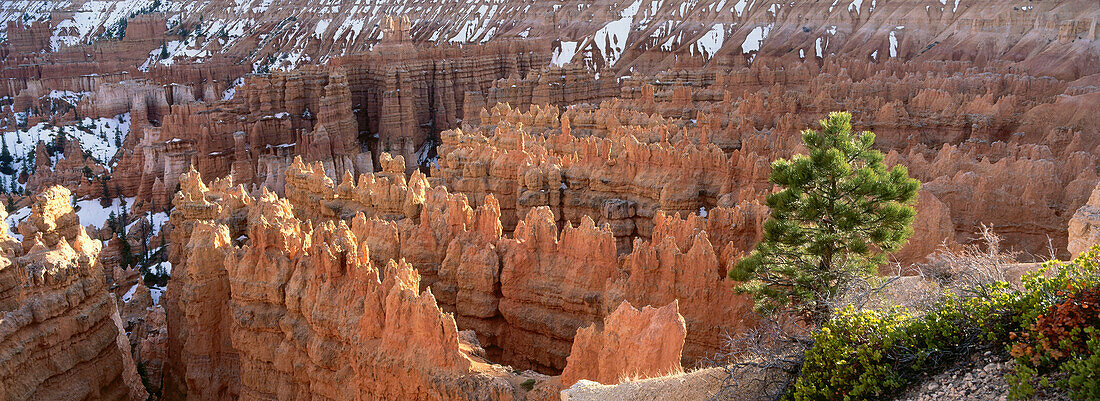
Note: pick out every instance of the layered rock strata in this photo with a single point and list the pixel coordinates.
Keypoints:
(61, 336)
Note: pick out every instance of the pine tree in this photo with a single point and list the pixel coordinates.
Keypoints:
(112, 221)
(5, 159)
(838, 214)
(163, 50)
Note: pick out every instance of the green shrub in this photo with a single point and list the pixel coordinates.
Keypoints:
(1059, 321)
(869, 354)
(528, 384)
(1083, 374)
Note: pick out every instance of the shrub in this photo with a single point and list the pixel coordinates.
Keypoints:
(1051, 323)
(1060, 328)
(1083, 374)
(528, 384)
(869, 354)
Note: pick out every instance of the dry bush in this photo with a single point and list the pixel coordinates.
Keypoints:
(763, 362)
(970, 268)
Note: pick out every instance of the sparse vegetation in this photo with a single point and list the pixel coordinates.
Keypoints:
(528, 384)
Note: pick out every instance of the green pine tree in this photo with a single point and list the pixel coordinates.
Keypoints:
(6, 159)
(163, 50)
(838, 214)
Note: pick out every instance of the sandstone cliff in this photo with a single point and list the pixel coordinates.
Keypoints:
(61, 336)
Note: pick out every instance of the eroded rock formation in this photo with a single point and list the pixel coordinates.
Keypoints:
(61, 336)
(609, 354)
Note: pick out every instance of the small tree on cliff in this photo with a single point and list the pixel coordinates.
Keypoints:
(840, 210)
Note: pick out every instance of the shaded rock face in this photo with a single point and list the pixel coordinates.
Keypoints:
(61, 336)
(609, 354)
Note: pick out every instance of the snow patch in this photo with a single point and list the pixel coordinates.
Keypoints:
(563, 53)
(129, 294)
(855, 5)
(740, 7)
(709, 44)
(15, 218)
(93, 214)
(755, 39)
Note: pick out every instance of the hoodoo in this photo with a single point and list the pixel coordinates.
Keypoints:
(549, 200)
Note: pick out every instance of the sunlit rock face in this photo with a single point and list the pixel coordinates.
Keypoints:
(61, 336)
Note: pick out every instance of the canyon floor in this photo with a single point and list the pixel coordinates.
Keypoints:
(490, 199)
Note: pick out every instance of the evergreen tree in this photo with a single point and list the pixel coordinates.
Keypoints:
(112, 221)
(839, 212)
(6, 159)
(163, 50)
(124, 251)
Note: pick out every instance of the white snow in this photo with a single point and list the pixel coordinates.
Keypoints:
(15, 218)
(93, 214)
(322, 26)
(740, 6)
(874, 55)
(712, 41)
(564, 53)
(855, 5)
(755, 39)
(702, 211)
(89, 18)
(611, 39)
(156, 220)
(69, 97)
(818, 47)
(97, 137)
(893, 44)
(232, 90)
(129, 294)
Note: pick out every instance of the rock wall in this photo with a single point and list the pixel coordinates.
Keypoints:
(608, 354)
(61, 336)
(1083, 232)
